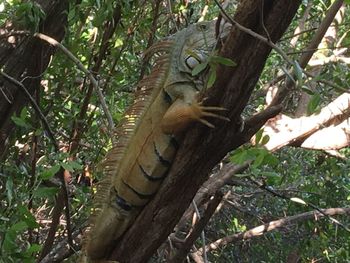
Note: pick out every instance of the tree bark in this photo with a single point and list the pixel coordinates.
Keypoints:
(202, 148)
(25, 58)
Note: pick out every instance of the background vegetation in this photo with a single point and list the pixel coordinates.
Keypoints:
(109, 38)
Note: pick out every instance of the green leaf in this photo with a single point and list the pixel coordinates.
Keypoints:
(20, 122)
(265, 139)
(307, 90)
(212, 77)
(75, 165)
(193, 54)
(313, 103)
(45, 192)
(71, 13)
(9, 243)
(199, 68)
(9, 189)
(273, 178)
(3, 218)
(49, 173)
(67, 166)
(33, 248)
(241, 175)
(19, 227)
(224, 61)
(118, 42)
(24, 113)
(271, 160)
(239, 157)
(27, 217)
(259, 159)
(71, 166)
(258, 136)
(298, 71)
(38, 132)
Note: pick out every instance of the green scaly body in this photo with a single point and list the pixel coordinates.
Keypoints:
(146, 142)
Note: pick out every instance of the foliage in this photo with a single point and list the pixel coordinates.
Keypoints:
(315, 178)
(27, 176)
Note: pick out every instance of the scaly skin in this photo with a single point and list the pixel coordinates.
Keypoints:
(166, 103)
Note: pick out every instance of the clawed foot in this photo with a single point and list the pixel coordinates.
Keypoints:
(207, 111)
(181, 114)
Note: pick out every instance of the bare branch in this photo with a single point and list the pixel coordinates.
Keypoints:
(274, 225)
(321, 31)
(303, 127)
(198, 228)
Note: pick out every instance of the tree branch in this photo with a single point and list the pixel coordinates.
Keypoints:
(274, 225)
(303, 127)
(197, 230)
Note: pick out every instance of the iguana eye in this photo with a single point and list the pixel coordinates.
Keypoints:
(194, 58)
(191, 62)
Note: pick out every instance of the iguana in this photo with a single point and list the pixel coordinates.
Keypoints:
(166, 102)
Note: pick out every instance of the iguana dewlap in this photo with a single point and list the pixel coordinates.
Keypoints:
(165, 104)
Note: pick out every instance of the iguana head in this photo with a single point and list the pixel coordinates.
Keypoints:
(193, 46)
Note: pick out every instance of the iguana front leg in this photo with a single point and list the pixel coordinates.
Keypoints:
(181, 113)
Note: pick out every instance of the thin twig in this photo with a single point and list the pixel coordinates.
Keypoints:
(35, 107)
(316, 49)
(262, 21)
(274, 225)
(56, 214)
(86, 71)
(304, 58)
(327, 82)
(33, 175)
(297, 34)
(202, 234)
(172, 15)
(282, 196)
(322, 29)
(94, 82)
(64, 192)
(255, 35)
(151, 37)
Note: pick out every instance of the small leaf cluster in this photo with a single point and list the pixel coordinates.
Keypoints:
(213, 62)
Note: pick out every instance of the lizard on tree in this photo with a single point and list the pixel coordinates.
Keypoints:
(147, 138)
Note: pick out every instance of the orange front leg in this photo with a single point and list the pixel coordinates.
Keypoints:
(180, 114)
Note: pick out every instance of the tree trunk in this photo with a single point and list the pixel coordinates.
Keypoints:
(25, 58)
(203, 148)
